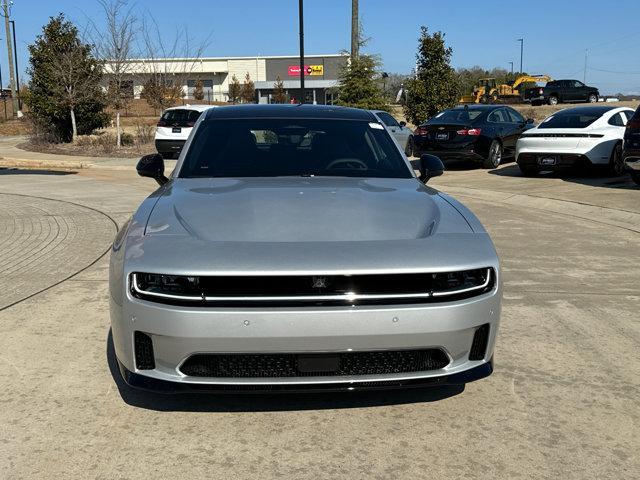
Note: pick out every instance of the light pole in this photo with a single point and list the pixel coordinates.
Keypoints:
(301, 18)
(511, 67)
(521, 40)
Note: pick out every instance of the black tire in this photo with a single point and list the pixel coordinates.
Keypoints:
(554, 100)
(408, 150)
(616, 164)
(494, 157)
(635, 176)
(592, 98)
(528, 171)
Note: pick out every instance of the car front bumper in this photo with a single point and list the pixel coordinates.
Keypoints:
(180, 332)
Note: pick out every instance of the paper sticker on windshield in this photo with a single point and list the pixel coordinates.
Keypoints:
(377, 126)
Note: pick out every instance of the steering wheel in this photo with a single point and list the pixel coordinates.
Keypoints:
(352, 163)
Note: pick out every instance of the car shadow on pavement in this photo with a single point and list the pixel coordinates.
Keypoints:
(595, 177)
(260, 402)
(28, 171)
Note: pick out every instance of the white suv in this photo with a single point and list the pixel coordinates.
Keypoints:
(174, 128)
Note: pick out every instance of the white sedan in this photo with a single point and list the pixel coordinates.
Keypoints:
(575, 137)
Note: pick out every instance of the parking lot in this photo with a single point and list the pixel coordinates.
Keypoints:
(562, 402)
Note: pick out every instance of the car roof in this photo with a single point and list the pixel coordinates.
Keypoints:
(478, 107)
(198, 108)
(596, 110)
(289, 111)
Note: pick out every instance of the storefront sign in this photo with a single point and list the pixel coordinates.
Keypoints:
(294, 70)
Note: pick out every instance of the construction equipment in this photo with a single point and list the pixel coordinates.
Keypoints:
(489, 91)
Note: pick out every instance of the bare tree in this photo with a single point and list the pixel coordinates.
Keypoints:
(74, 77)
(168, 65)
(114, 45)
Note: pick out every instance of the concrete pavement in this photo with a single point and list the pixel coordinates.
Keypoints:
(562, 402)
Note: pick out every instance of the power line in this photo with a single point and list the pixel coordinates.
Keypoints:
(613, 71)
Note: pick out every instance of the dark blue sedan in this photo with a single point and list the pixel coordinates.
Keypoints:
(486, 134)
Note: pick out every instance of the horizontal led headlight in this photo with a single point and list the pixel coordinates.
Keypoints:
(169, 286)
(454, 283)
(339, 289)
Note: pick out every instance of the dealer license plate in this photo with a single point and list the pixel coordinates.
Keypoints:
(547, 161)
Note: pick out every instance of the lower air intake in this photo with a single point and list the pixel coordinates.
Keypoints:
(305, 365)
(479, 344)
(143, 347)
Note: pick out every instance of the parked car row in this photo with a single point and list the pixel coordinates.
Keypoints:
(577, 137)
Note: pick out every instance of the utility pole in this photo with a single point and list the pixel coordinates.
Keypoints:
(12, 76)
(511, 68)
(301, 18)
(521, 40)
(355, 34)
(15, 54)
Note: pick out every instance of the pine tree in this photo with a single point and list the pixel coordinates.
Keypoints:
(248, 91)
(198, 91)
(358, 85)
(234, 89)
(279, 95)
(435, 85)
(65, 97)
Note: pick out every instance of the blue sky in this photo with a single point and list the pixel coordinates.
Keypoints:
(556, 32)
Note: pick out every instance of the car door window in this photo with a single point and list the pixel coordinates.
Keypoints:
(628, 114)
(497, 116)
(617, 120)
(515, 116)
(388, 120)
(577, 84)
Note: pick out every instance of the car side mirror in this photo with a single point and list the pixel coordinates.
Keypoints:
(403, 124)
(529, 121)
(152, 166)
(430, 166)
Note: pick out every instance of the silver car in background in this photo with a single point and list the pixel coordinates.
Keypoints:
(294, 248)
(399, 130)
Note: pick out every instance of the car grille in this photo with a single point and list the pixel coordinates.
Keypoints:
(256, 291)
(305, 365)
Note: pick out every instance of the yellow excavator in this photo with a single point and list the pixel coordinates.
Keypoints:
(489, 91)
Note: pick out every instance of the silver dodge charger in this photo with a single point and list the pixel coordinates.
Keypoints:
(294, 248)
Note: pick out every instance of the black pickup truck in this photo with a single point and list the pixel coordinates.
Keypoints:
(561, 91)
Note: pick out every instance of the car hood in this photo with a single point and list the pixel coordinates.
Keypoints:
(296, 209)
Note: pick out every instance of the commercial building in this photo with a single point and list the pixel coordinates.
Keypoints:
(216, 73)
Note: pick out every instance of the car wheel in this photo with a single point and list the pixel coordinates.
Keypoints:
(408, 150)
(593, 98)
(616, 164)
(635, 176)
(553, 100)
(495, 155)
(528, 171)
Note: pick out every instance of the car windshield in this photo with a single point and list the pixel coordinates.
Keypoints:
(267, 147)
(571, 119)
(456, 115)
